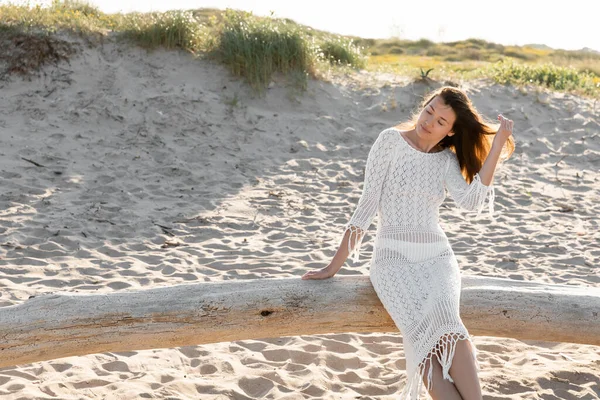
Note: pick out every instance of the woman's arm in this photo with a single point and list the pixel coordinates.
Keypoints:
(376, 171)
(472, 196)
(378, 161)
(489, 165)
(336, 263)
(468, 196)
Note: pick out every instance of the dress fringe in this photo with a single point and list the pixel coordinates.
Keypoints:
(354, 251)
(445, 354)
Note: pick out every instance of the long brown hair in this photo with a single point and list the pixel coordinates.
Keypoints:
(473, 134)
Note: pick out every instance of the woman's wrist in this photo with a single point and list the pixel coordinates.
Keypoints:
(333, 268)
(498, 142)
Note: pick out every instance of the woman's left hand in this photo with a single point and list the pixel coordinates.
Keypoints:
(506, 128)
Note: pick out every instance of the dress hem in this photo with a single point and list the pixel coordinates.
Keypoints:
(445, 355)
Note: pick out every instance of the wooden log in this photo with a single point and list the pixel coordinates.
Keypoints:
(69, 324)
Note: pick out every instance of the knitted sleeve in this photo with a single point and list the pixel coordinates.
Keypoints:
(467, 196)
(378, 161)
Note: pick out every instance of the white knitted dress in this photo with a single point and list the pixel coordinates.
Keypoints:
(413, 269)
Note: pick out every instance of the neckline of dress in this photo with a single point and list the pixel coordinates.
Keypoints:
(414, 148)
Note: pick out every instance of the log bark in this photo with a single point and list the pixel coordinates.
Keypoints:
(70, 324)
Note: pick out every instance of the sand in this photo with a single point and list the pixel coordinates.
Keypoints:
(160, 169)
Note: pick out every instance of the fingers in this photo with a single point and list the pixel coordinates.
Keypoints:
(505, 123)
(315, 274)
(311, 275)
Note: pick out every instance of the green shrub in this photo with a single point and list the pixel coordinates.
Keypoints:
(436, 51)
(422, 44)
(361, 42)
(342, 51)
(74, 16)
(472, 54)
(75, 6)
(171, 29)
(255, 48)
(396, 50)
(520, 55)
(549, 75)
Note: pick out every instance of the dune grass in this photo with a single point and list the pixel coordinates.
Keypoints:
(256, 47)
(69, 16)
(342, 51)
(171, 29)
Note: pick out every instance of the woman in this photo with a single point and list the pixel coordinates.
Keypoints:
(413, 270)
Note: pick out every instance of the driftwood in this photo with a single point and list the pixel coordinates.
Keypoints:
(69, 324)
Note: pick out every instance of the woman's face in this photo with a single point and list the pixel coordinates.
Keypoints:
(435, 121)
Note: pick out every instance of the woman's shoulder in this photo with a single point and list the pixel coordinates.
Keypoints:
(450, 153)
(452, 159)
(392, 130)
(391, 134)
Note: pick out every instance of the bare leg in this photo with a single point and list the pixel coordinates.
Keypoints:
(441, 389)
(464, 373)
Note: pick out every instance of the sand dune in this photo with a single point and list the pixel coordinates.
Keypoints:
(158, 169)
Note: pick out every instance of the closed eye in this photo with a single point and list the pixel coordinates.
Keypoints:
(439, 120)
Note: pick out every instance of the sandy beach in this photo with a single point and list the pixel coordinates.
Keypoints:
(158, 169)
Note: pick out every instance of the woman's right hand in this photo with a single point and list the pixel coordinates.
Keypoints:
(323, 273)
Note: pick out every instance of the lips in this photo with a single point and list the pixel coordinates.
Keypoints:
(422, 127)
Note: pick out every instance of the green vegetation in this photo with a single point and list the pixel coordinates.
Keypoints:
(575, 71)
(342, 51)
(171, 29)
(548, 75)
(256, 48)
